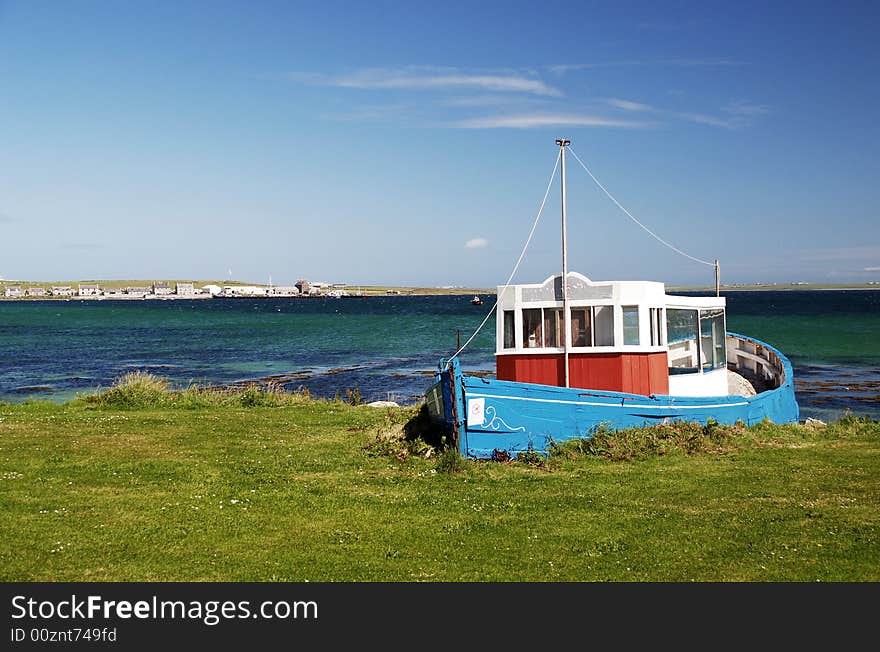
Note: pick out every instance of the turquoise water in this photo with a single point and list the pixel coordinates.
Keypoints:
(832, 339)
(387, 347)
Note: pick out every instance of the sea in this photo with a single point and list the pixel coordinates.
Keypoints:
(385, 347)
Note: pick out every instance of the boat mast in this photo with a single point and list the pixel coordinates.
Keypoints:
(566, 320)
(717, 279)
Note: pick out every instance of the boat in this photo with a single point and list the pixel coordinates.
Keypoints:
(476, 301)
(578, 355)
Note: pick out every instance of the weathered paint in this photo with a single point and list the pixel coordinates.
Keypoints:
(516, 416)
(633, 373)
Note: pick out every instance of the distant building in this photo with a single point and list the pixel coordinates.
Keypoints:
(88, 290)
(243, 291)
(62, 291)
(303, 286)
(12, 292)
(35, 292)
(185, 290)
(161, 288)
(284, 291)
(213, 290)
(137, 290)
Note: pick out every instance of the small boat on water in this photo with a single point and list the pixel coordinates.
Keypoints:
(476, 301)
(576, 354)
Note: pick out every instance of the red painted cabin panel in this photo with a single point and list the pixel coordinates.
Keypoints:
(634, 373)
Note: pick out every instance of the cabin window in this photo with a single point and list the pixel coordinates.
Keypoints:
(554, 324)
(532, 337)
(545, 327)
(603, 321)
(630, 325)
(509, 335)
(682, 328)
(581, 333)
(656, 331)
(712, 346)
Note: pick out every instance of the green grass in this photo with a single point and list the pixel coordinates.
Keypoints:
(140, 484)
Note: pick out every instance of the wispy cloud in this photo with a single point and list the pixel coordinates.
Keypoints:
(492, 100)
(371, 113)
(834, 253)
(488, 82)
(527, 121)
(865, 255)
(627, 105)
(845, 263)
(739, 114)
(476, 243)
(711, 120)
(524, 100)
(564, 68)
(746, 109)
(430, 78)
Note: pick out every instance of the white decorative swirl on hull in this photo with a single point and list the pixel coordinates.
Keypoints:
(496, 423)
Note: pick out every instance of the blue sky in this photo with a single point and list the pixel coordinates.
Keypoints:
(369, 143)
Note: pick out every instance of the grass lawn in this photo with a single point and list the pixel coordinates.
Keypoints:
(244, 490)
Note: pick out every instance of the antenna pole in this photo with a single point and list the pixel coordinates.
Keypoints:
(717, 279)
(566, 318)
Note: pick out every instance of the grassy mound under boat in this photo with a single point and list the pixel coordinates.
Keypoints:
(141, 483)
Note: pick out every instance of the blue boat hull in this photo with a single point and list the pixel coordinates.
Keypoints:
(486, 415)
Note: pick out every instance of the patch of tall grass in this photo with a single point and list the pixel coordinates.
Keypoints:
(400, 435)
(657, 440)
(138, 390)
(450, 461)
(689, 438)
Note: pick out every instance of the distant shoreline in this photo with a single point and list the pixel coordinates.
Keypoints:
(374, 296)
(134, 290)
(233, 298)
(762, 288)
(344, 291)
(207, 297)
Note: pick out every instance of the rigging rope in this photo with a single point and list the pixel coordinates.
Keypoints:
(657, 237)
(518, 261)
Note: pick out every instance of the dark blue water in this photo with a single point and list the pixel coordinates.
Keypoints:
(387, 347)
(384, 346)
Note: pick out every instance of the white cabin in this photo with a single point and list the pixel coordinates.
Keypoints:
(626, 336)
